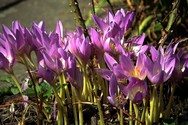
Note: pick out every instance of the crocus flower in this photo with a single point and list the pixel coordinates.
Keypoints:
(138, 71)
(114, 25)
(45, 73)
(20, 40)
(79, 45)
(114, 68)
(135, 45)
(160, 68)
(114, 98)
(7, 55)
(136, 89)
(74, 75)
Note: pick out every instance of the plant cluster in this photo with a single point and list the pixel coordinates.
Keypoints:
(100, 68)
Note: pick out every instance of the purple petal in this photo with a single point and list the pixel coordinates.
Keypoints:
(154, 53)
(100, 23)
(105, 73)
(126, 63)
(110, 61)
(113, 86)
(20, 40)
(158, 78)
(59, 29)
(119, 73)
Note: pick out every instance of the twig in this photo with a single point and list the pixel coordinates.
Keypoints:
(171, 21)
(78, 16)
(133, 117)
(93, 6)
(108, 1)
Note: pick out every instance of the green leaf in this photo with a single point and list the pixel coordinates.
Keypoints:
(6, 79)
(158, 27)
(46, 89)
(14, 90)
(5, 90)
(38, 88)
(145, 23)
(29, 92)
(170, 122)
(184, 123)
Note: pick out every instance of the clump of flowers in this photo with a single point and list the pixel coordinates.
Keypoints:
(74, 64)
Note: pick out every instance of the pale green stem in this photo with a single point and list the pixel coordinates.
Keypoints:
(130, 112)
(59, 114)
(147, 117)
(80, 110)
(87, 89)
(60, 110)
(161, 103)
(136, 112)
(144, 110)
(121, 116)
(167, 112)
(153, 105)
(74, 106)
(16, 82)
(31, 63)
(100, 112)
(104, 84)
(66, 89)
(62, 96)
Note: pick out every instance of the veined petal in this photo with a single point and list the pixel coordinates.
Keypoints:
(113, 85)
(105, 73)
(100, 23)
(110, 61)
(154, 53)
(126, 63)
(59, 29)
(20, 40)
(158, 78)
(140, 61)
(3, 62)
(119, 73)
(169, 65)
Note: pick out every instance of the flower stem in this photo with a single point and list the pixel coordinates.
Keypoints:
(144, 110)
(100, 111)
(136, 112)
(60, 110)
(16, 81)
(74, 106)
(62, 96)
(161, 103)
(80, 110)
(121, 116)
(153, 105)
(167, 112)
(130, 112)
(87, 89)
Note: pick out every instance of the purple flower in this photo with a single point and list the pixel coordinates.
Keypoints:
(136, 89)
(114, 98)
(138, 71)
(20, 40)
(74, 75)
(181, 59)
(135, 45)
(7, 55)
(114, 25)
(45, 73)
(160, 68)
(109, 37)
(79, 45)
